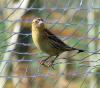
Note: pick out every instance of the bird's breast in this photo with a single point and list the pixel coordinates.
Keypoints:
(36, 38)
(42, 43)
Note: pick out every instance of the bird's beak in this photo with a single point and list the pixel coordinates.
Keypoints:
(41, 23)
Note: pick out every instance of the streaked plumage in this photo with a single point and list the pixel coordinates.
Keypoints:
(47, 41)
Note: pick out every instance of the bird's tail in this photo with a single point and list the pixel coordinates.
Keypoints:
(79, 50)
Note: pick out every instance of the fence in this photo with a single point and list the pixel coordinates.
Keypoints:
(75, 22)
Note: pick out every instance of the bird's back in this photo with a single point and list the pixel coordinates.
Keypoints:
(47, 41)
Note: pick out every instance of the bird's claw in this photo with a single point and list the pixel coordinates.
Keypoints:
(42, 62)
(50, 64)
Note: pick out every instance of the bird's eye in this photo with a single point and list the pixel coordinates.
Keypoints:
(36, 21)
(40, 19)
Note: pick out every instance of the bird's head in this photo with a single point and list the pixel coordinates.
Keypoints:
(38, 23)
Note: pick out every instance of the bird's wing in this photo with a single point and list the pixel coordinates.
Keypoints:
(56, 42)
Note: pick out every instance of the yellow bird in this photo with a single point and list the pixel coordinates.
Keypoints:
(47, 42)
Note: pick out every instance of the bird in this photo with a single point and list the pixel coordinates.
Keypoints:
(48, 42)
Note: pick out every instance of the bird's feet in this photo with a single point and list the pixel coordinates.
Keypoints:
(42, 62)
(49, 64)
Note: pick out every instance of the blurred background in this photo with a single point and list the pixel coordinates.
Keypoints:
(76, 22)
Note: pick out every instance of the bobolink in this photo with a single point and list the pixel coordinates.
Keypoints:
(47, 41)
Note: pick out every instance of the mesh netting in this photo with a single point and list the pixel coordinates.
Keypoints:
(76, 22)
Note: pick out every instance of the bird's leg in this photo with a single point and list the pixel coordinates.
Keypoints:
(51, 63)
(42, 62)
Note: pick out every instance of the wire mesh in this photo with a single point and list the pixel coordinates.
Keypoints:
(75, 22)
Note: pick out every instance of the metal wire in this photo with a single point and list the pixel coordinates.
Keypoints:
(63, 10)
